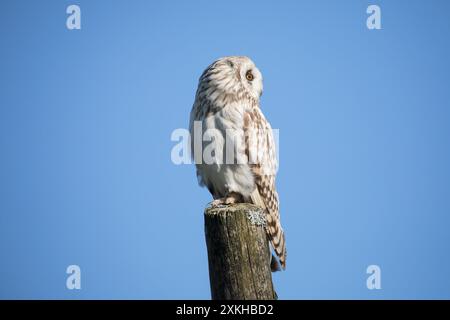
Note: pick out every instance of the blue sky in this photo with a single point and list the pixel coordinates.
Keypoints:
(86, 116)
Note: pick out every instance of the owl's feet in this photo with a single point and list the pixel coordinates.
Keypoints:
(231, 198)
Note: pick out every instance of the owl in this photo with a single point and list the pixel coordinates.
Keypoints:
(241, 165)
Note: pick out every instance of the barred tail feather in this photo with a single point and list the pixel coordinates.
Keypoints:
(275, 233)
(279, 243)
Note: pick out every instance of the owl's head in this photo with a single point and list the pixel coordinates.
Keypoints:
(233, 78)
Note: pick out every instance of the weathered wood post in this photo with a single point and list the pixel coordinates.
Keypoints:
(238, 253)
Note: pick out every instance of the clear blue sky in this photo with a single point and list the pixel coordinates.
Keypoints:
(86, 116)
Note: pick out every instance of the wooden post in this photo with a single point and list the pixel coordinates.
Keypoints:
(238, 253)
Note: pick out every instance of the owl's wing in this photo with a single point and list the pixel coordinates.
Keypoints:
(261, 153)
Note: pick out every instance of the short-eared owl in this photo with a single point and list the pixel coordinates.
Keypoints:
(227, 104)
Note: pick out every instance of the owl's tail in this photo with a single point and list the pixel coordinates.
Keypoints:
(276, 236)
(274, 264)
(275, 233)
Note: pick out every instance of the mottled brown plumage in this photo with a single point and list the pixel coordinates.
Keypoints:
(227, 100)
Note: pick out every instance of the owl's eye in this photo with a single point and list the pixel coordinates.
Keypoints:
(249, 75)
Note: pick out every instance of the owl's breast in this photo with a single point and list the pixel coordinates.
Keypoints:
(224, 165)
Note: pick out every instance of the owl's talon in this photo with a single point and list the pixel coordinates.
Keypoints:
(232, 198)
(217, 203)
